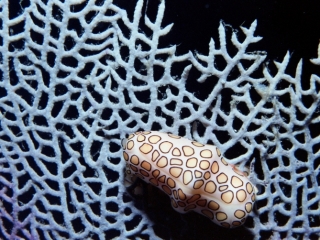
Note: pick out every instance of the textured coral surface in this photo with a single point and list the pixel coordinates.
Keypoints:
(76, 77)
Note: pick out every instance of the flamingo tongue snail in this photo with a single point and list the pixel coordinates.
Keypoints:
(195, 176)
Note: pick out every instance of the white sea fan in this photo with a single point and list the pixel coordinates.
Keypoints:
(76, 77)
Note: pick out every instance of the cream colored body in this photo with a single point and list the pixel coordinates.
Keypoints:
(195, 176)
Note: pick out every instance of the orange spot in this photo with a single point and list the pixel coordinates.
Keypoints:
(156, 173)
(190, 207)
(154, 139)
(210, 187)
(162, 162)
(175, 194)
(222, 178)
(236, 182)
(130, 144)
(218, 152)
(162, 179)
(213, 205)
(248, 207)
(198, 184)
(224, 161)
(146, 148)
(165, 147)
(141, 138)
(171, 183)
(222, 188)
(125, 156)
(207, 175)
(253, 197)
(176, 161)
(192, 162)
(134, 168)
(239, 214)
(154, 181)
(206, 153)
(241, 195)
(166, 189)
(197, 144)
(175, 171)
(249, 188)
(204, 165)
(174, 136)
(130, 136)
(146, 165)
(144, 173)
(134, 160)
(214, 167)
(221, 216)
(202, 202)
(173, 203)
(226, 225)
(187, 177)
(236, 223)
(155, 155)
(182, 196)
(227, 197)
(176, 152)
(193, 198)
(207, 213)
(198, 174)
(188, 151)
